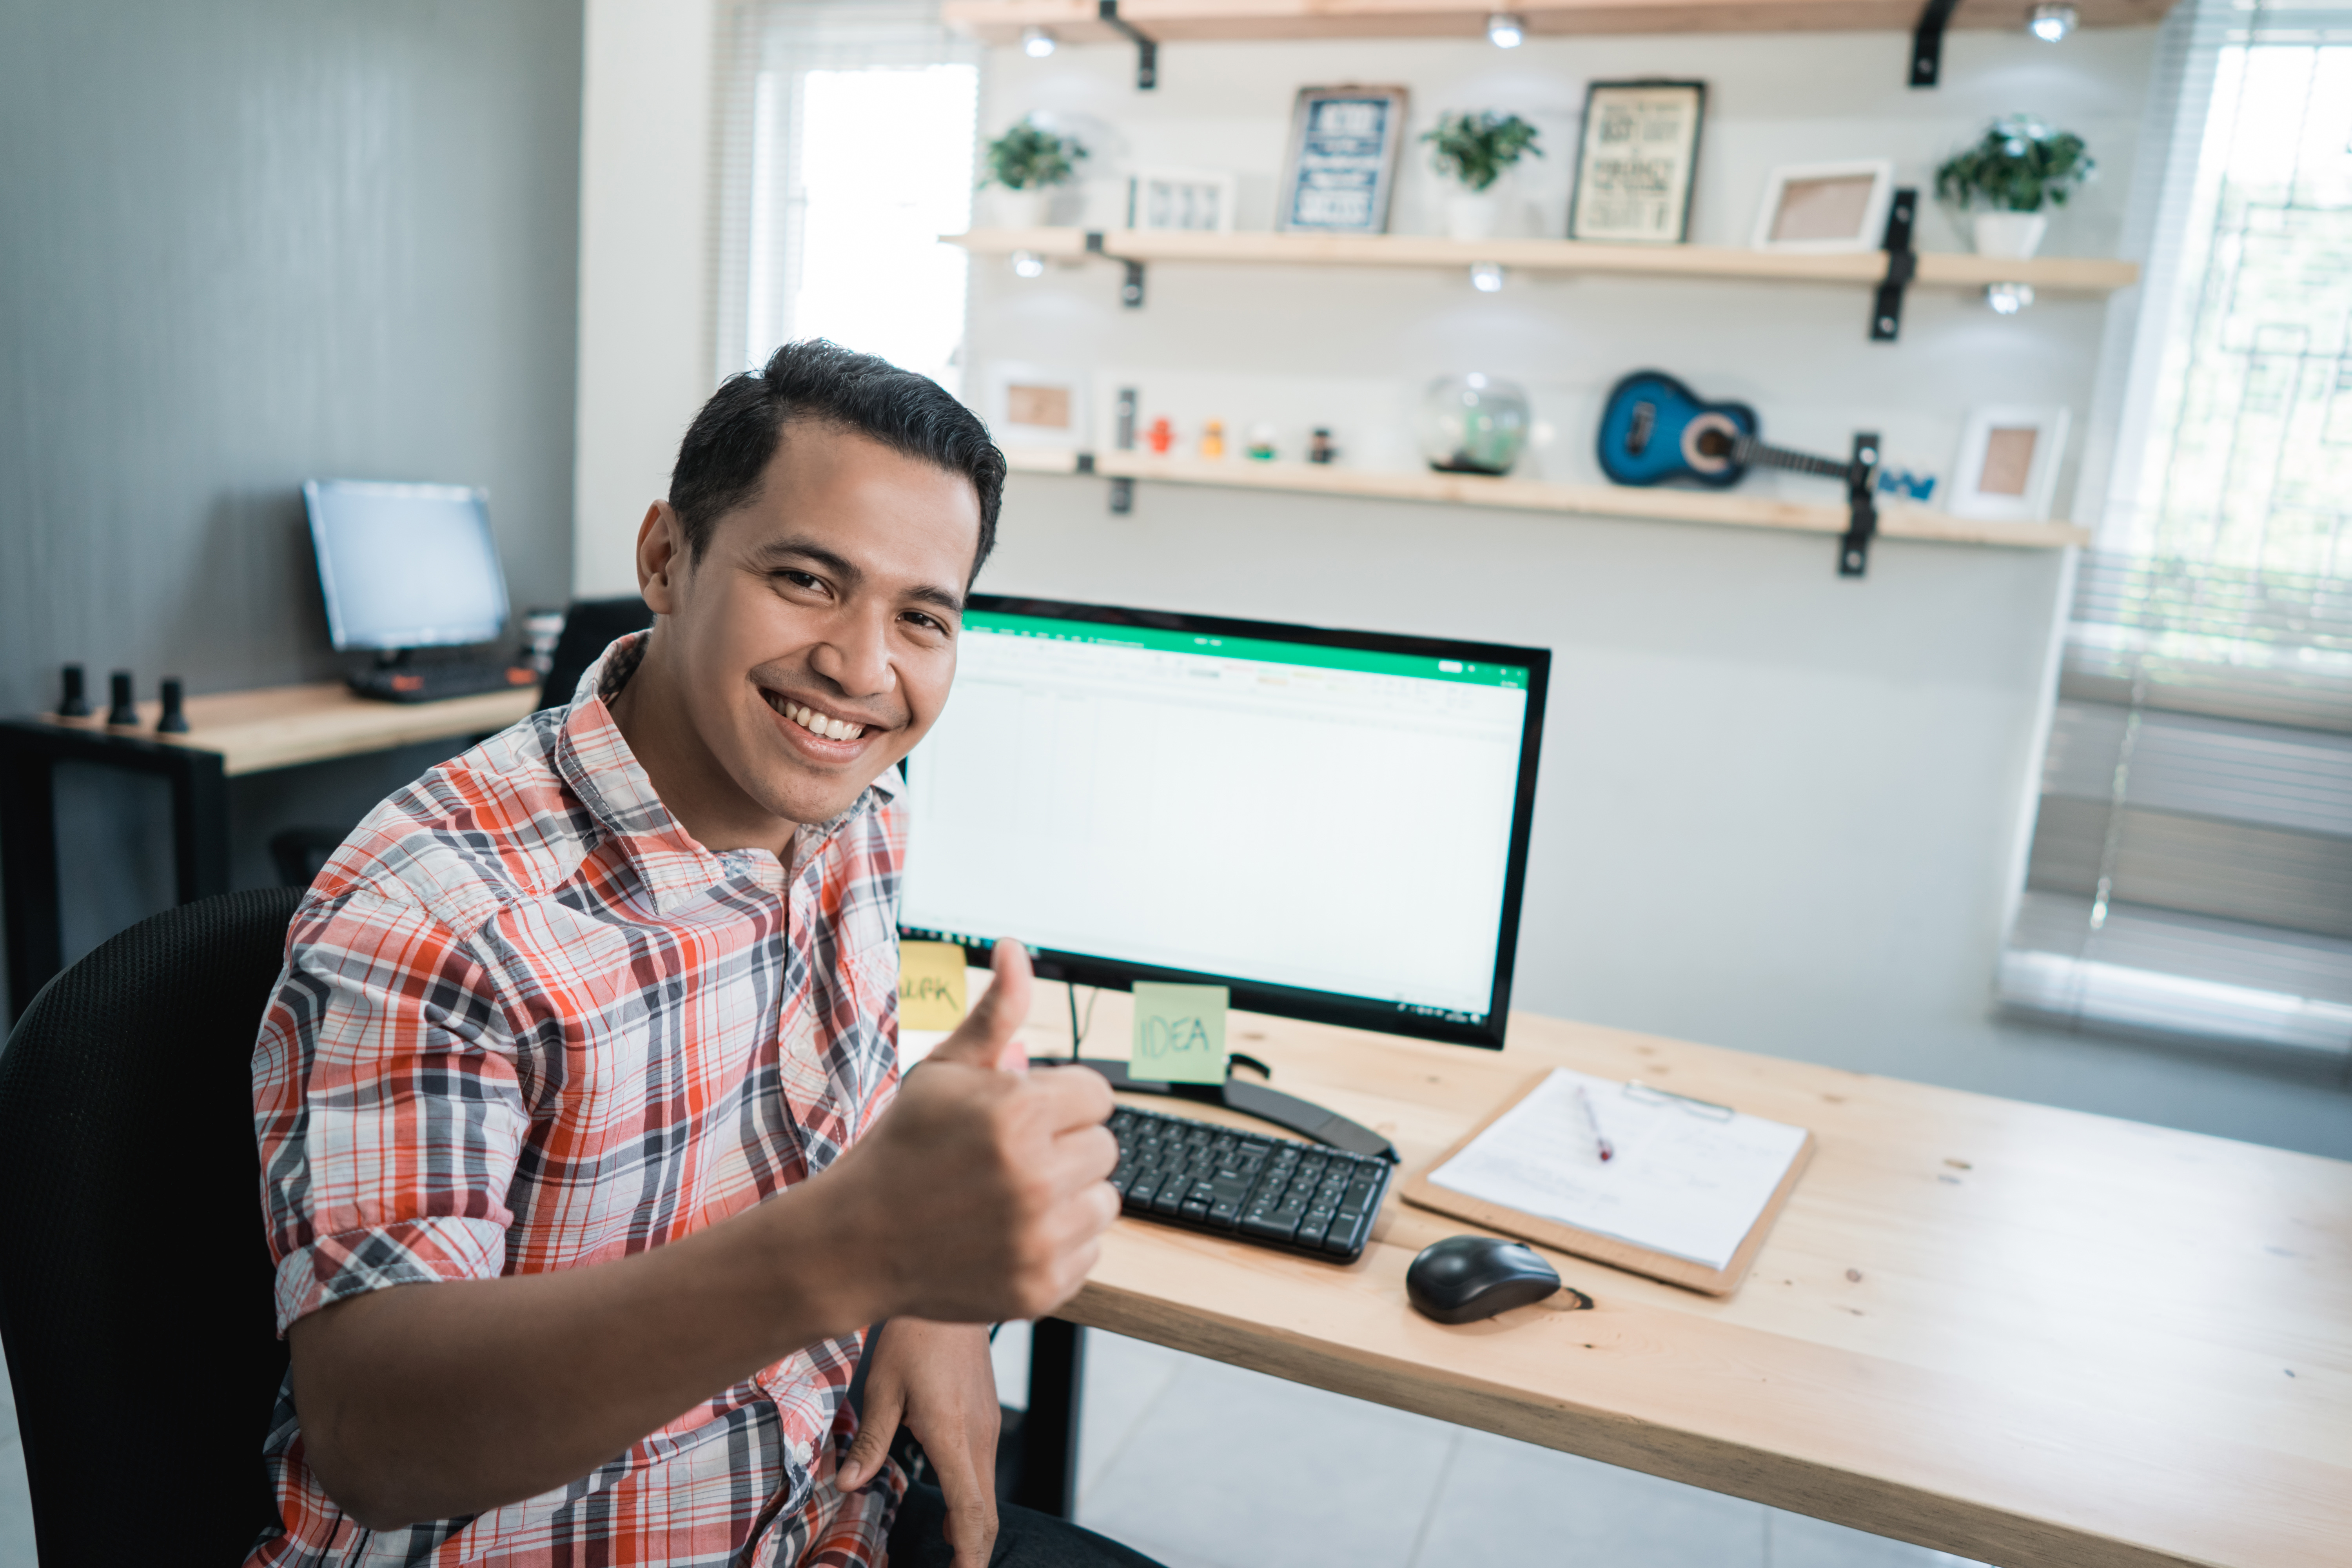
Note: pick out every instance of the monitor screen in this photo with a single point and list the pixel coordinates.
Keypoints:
(1332, 824)
(405, 565)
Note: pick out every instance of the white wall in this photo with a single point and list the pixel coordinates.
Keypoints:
(646, 152)
(1781, 811)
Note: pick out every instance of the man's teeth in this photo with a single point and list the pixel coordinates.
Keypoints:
(816, 723)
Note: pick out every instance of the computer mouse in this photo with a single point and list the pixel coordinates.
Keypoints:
(1466, 1277)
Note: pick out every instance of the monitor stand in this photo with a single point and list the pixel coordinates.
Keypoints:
(1253, 1099)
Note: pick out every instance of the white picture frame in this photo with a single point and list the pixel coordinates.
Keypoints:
(1038, 406)
(1191, 201)
(1825, 210)
(2007, 469)
(1340, 171)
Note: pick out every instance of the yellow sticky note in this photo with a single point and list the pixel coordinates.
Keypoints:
(1180, 1034)
(930, 985)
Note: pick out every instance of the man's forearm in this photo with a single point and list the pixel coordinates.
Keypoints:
(432, 1401)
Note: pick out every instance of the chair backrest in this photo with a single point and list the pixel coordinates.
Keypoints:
(589, 628)
(135, 1283)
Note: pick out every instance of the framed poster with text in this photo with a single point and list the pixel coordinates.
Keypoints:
(1635, 162)
(1343, 157)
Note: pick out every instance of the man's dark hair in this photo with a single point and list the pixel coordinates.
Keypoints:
(728, 448)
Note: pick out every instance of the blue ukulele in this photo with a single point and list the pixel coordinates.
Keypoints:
(1655, 429)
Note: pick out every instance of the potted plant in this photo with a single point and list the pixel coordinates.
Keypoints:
(1026, 163)
(1476, 149)
(2007, 175)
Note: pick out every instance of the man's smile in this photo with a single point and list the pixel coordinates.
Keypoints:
(830, 734)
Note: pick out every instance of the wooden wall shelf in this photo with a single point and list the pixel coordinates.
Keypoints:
(1896, 520)
(1954, 270)
(1181, 21)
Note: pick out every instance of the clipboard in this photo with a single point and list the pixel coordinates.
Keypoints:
(1617, 1252)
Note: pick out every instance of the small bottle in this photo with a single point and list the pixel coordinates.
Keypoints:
(174, 719)
(1160, 436)
(1261, 443)
(75, 703)
(122, 712)
(1212, 438)
(1319, 448)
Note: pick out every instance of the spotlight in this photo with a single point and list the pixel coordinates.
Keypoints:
(1506, 29)
(2051, 20)
(2009, 298)
(1486, 278)
(1028, 264)
(1036, 43)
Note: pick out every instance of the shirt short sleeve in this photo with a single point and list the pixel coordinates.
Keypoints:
(388, 1106)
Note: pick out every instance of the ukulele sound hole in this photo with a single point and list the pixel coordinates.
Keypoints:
(1645, 420)
(1714, 444)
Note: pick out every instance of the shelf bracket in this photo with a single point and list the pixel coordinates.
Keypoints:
(1147, 50)
(1902, 262)
(1130, 287)
(1861, 508)
(1927, 42)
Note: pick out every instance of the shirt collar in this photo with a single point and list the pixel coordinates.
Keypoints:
(595, 761)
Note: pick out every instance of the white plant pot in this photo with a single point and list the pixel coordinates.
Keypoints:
(1022, 209)
(1471, 215)
(2012, 236)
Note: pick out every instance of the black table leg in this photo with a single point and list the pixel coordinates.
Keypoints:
(1049, 1432)
(28, 872)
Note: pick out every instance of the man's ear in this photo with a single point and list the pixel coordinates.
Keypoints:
(662, 558)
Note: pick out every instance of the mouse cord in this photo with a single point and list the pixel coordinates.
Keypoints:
(1078, 1030)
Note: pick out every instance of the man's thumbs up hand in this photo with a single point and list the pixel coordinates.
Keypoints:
(989, 1035)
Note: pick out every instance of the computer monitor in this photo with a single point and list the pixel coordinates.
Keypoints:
(405, 565)
(1332, 824)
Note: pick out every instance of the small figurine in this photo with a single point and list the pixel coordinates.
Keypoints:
(1319, 448)
(1212, 438)
(1261, 443)
(1160, 436)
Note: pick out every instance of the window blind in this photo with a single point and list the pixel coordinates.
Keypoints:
(2190, 869)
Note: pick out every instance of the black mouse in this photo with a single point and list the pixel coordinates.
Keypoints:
(1466, 1277)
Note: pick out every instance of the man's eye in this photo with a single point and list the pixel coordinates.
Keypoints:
(800, 579)
(929, 623)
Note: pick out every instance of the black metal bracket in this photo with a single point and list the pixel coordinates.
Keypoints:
(1130, 288)
(1147, 50)
(1862, 507)
(1927, 42)
(1902, 262)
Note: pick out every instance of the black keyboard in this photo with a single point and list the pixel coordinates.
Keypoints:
(1277, 1191)
(432, 682)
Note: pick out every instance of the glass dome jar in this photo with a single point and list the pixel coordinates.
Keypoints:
(1472, 423)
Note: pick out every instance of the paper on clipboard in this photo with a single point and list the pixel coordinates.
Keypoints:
(1680, 1181)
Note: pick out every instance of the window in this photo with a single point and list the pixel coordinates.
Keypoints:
(2190, 873)
(848, 152)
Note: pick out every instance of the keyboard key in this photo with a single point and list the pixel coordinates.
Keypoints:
(1270, 1227)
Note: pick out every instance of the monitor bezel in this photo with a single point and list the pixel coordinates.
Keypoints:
(315, 491)
(1290, 1002)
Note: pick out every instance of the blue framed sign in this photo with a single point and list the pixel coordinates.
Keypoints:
(1341, 170)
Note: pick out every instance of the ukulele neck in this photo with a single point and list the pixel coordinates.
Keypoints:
(1756, 452)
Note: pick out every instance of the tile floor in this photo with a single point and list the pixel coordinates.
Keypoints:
(1206, 1466)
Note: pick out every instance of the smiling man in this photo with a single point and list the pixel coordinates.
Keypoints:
(585, 1156)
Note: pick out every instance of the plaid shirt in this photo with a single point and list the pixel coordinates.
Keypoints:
(528, 1023)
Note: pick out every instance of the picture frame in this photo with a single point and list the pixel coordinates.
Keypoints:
(1194, 201)
(1637, 162)
(1037, 407)
(2007, 470)
(1340, 173)
(1824, 209)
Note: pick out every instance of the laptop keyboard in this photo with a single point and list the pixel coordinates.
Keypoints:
(1277, 1192)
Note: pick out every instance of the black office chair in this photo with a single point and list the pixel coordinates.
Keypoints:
(589, 628)
(135, 1284)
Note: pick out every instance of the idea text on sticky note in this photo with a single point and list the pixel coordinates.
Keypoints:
(930, 985)
(1180, 1034)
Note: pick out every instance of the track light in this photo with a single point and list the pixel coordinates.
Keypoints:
(2009, 298)
(1506, 29)
(2051, 20)
(1036, 43)
(1486, 278)
(1028, 264)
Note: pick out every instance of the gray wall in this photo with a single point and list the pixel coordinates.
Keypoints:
(247, 242)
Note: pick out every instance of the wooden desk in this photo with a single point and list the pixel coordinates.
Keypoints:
(228, 734)
(2028, 1336)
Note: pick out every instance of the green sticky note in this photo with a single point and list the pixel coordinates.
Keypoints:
(1180, 1034)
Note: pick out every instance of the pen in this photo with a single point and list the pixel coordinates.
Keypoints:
(1601, 1146)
